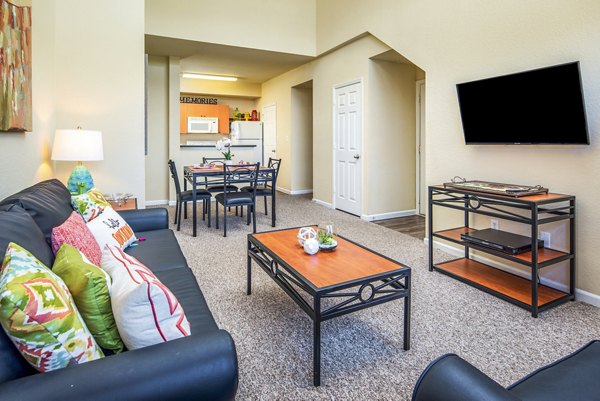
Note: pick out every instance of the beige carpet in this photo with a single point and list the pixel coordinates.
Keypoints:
(362, 355)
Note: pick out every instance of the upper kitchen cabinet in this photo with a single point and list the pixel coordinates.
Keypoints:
(204, 110)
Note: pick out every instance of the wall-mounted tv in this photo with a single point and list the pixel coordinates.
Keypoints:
(543, 106)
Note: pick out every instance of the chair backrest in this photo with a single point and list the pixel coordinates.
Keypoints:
(241, 173)
(220, 160)
(275, 164)
(175, 177)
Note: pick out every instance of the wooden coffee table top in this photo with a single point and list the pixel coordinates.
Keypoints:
(349, 262)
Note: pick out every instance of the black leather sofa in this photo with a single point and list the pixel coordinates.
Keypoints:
(575, 377)
(202, 366)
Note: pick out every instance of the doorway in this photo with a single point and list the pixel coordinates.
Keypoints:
(421, 189)
(347, 146)
(269, 118)
(302, 138)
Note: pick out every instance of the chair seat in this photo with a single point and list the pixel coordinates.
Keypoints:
(235, 198)
(260, 191)
(221, 188)
(201, 194)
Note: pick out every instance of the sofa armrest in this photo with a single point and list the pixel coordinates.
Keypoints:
(146, 219)
(202, 367)
(450, 378)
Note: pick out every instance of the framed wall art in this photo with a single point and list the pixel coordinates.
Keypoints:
(15, 67)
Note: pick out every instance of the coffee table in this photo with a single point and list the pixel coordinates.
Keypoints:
(342, 281)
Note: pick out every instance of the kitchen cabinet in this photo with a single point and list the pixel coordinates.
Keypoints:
(204, 110)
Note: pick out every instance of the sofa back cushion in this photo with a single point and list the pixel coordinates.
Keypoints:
(48, 202)
(16, 225)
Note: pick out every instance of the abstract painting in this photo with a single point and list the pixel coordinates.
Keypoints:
(15, 67)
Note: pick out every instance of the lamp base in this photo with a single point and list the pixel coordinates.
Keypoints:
(80, 180)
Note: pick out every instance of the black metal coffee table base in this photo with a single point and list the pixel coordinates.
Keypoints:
(347, 297)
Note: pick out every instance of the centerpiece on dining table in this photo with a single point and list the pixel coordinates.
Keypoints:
(223, 144)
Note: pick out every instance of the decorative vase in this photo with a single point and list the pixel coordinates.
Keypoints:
(229, 162)
(306, 233)
(311, 246)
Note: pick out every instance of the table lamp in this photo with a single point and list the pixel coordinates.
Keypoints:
(78, 145)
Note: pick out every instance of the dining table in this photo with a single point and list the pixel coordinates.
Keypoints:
(191, 174)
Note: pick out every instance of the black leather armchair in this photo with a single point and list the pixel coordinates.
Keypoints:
(575, 377)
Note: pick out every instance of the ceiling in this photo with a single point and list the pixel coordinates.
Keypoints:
(249, 65)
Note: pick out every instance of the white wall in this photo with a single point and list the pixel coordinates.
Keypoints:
(390, 145)
(88, 70)
(467, 40)
(157, 176)
(286, 26)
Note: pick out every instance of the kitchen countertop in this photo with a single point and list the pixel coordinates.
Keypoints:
(213, 146)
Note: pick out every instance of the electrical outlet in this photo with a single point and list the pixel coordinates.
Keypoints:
(545, 236)
(494, 224)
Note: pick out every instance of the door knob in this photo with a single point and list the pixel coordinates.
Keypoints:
(357, 157)
(273, 151)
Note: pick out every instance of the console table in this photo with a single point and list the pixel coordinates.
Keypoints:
(533, 210)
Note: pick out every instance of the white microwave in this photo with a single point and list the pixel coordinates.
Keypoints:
(203, 125)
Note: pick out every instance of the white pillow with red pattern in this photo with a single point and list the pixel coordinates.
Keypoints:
(145, 310)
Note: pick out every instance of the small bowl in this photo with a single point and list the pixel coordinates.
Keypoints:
(328, 248)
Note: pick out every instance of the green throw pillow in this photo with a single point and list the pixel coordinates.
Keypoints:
(37, 312)
(90, 204)
(89, 286)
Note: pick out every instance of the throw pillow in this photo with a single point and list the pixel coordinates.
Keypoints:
(90, 287)
(37, 312)
(90, 204)
(75, 233)
(16, 225)
(110, 229)
(146, 311)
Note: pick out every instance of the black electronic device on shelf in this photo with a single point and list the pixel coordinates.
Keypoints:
(502, 241)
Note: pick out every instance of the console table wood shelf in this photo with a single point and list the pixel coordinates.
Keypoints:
(532, 210)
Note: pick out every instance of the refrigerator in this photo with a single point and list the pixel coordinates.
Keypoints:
(248, 133)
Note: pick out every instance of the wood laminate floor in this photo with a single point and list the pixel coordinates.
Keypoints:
(410, 225)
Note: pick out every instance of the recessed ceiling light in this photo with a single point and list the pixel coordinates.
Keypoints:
(208, 76)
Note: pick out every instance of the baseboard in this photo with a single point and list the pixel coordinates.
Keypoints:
(158, 202)
(388, 215)
(580, 295)
(323, 203)
(295, 191)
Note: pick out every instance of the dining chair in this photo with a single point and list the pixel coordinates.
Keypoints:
(217, 185)
(183, 197)
(263, 189)
(238, 174)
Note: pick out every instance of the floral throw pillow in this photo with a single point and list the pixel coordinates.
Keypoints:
(75, 233)
(90, 204)
(145, 310)
(37, 312)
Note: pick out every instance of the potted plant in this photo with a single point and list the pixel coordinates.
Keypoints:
(223, 144)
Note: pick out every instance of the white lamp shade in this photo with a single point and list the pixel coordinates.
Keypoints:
(77, 145)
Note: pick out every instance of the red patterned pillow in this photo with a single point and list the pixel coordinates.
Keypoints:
(75, 233)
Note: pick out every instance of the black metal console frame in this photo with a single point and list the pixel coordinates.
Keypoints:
(493, 206)
(373, 290)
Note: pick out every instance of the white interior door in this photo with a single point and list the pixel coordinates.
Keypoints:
(269, 119)
(421, 184)
(347, 109)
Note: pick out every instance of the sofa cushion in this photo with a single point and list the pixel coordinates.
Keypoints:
(90, 287)
(574, 377)
(48, 202)
(16, 225)
(158, 249)
(145, 310)
(39, 315)
(90, 204)
(110, 229)
(75, 233)
(183, 284)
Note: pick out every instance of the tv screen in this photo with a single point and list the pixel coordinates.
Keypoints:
(543, 106)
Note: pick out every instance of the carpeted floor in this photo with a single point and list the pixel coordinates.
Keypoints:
(362, 355)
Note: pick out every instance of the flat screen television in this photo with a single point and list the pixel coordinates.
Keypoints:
(543, 106)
